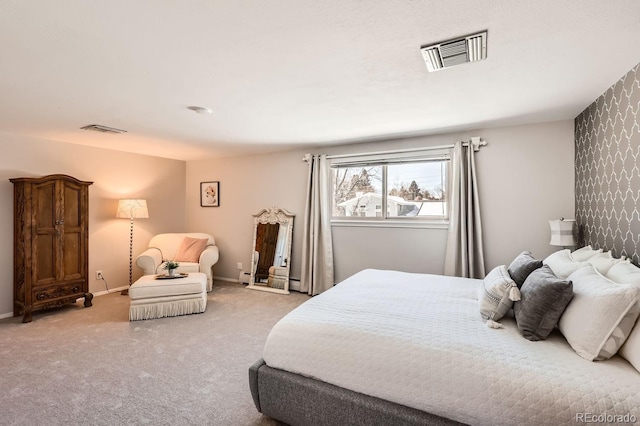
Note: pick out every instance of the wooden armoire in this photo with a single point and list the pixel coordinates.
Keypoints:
(51, 243)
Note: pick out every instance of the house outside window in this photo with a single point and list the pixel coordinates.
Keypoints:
(402, 186)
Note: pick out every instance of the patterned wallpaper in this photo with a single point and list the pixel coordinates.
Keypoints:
(607, 162)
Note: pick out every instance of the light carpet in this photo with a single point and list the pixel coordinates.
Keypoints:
(77, 366)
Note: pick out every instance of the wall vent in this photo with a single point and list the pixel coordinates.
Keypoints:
(102, 129)
(454, 52)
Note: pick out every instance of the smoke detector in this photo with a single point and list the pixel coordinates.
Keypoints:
(454, 52)
(200, 110)
(102, 129)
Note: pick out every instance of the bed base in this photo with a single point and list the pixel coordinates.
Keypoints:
(299, 400)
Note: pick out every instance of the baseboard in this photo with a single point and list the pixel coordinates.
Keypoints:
(225, 279)
(294, 284)
(100, 293)
(111, 290)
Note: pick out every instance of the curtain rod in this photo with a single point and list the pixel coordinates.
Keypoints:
(397, 151)
(475, 140)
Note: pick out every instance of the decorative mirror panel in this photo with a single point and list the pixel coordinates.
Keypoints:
(271, 255)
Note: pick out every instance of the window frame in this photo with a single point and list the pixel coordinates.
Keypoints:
(384, 160)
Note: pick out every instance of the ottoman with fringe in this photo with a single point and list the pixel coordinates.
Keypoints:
(151, 298)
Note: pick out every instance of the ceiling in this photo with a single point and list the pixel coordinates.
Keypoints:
(284, 74)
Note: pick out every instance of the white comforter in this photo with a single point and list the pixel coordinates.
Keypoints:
(418, 340)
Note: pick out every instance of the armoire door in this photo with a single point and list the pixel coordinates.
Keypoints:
(59, 233)
(72, 231)
(46, 244)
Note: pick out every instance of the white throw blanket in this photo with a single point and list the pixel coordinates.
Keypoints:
(418, 340)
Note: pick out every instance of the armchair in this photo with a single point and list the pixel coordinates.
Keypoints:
(163, 247)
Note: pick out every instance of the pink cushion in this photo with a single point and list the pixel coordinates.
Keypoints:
(190, 250)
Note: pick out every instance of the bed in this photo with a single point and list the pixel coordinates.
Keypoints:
(388, 347)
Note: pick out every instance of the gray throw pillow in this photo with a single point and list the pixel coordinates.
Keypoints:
(543, 299)
(522, 266)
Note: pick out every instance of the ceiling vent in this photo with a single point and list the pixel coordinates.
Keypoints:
(454, 52)
(102, 129)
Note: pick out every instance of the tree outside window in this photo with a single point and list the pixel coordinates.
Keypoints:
(409, 190)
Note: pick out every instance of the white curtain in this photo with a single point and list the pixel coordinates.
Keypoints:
(464, 256)
(317, 246)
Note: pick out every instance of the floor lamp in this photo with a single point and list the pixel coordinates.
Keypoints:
(131, 209)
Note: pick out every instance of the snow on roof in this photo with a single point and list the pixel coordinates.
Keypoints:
(368, 196)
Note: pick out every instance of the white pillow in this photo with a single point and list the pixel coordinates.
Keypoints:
(562, 264)
(631, 348)
(497, 293)
(624, 272)
(603, 262)
(627, 273)
(600, 316)
(583, 254)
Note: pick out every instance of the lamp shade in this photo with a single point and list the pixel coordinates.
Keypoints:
(562, 232)
(132, 209)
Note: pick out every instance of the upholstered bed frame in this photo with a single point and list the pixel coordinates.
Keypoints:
(299, 400)
(426, 357)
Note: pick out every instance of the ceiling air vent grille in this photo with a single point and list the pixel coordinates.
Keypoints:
(102, 129)
(449, 53)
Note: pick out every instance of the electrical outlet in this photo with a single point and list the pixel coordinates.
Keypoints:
(99, 275)
(239, 266)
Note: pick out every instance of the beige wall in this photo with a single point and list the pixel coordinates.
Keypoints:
(115, 175)
(525, 176)
(247, 185)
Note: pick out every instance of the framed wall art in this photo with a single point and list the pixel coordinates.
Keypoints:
(210, 194)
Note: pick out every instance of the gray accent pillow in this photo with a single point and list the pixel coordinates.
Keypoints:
(522, 266)
(543, 299)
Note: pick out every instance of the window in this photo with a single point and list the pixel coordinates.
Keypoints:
(399, 186)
